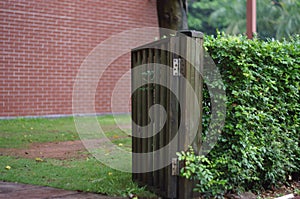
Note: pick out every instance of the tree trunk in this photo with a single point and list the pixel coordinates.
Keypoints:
(172, 15)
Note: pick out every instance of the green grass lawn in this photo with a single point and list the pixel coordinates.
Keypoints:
(75, 174)
(19, 133)
(85, 175)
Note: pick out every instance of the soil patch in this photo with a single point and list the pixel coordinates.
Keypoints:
(57, 150)
(62, 150)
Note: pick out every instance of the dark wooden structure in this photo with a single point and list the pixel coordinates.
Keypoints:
(162, 74)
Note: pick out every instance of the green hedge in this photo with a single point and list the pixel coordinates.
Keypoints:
(259, 146)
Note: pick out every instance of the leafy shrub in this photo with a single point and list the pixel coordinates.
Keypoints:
(200, 169)
(259, 146)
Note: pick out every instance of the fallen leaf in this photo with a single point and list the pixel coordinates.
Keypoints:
(39, 159)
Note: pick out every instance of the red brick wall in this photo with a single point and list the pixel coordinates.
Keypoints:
(43, 43)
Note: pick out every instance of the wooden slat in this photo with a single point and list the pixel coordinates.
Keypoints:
(139, 118)
(156, 158)
(150, 129)
(162, 135)
(173, 110)
(134, 114)
(191, 106)
(186, 186)
(185, 76)
(144, 112)
(185, 68)
(198, 89)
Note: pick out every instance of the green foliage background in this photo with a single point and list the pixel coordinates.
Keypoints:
(259, 145)
(275, 18)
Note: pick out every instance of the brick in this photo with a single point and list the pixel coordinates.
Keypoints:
(44, 43)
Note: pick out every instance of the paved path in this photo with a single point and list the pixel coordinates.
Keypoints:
(10, 190)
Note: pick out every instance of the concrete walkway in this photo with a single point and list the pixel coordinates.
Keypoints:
(9, 190)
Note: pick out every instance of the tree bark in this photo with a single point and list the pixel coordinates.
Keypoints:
(172, 16)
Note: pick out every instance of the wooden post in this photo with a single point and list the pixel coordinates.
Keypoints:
(173, 112)
(251, 18)
(164, 182)
(150, 127)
